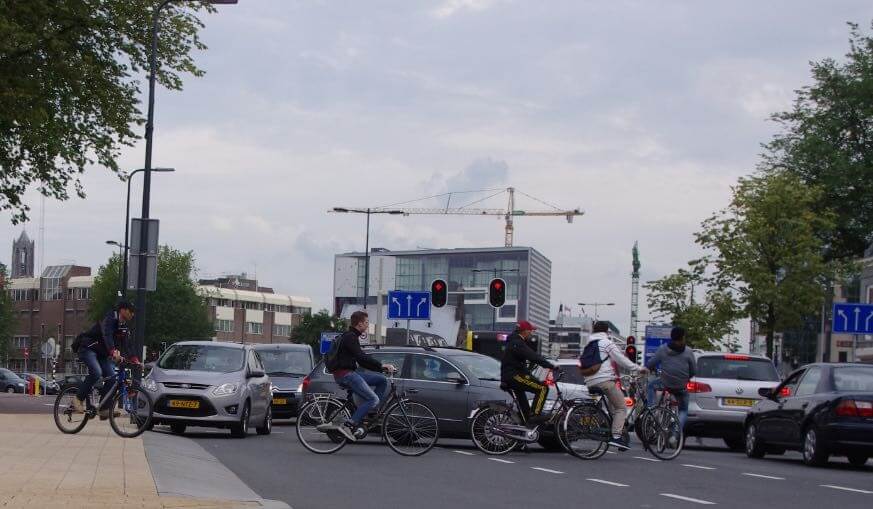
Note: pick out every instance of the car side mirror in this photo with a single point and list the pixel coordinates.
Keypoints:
(456, 378)
(765, 392)
(255, 374)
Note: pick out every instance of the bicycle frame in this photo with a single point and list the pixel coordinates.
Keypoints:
(349, 404)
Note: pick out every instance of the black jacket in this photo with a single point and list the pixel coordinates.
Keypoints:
(349, 354)
(517, 356)
(106, 335)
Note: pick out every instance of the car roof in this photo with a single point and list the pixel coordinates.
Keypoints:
(281, 346)
(239, 346)
(700, 353)
(443, 350)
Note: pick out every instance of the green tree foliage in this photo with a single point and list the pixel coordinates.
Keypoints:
(767, 248)
(7, 316)
(828, 144)
(175, 311)
(70, 74)
(688, 299)
(309, 330)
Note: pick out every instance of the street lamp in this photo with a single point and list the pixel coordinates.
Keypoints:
(367, 211)
(120, 256)
(596, 305)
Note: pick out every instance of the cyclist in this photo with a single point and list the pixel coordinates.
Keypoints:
(677, 368)
(515, 373)
(99, 349)
(606, 379)
(342, 364)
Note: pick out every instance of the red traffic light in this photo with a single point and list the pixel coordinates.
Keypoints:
(26, 353)
(631, 353)
(497, 292)
(439, 294)
(631, 340)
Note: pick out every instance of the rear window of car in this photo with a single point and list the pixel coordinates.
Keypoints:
(280, 362)
(736, 367)
(215, 359)
(853, 378)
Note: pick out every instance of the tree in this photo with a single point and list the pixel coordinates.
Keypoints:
(828, 144)
(70, 79)
(175, 309)
(308, 332)
(709, 320)
(7, 316)
(767, 247)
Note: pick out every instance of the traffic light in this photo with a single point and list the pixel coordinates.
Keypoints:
(497, 292)
(630, 350)
(439, 293)
(27, 353)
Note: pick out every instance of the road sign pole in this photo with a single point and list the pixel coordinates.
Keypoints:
(407, 332)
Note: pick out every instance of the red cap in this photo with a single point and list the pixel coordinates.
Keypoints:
(525, 325)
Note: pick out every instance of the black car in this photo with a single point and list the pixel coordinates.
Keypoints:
(10, 382)
(286, 365)
(821, 410)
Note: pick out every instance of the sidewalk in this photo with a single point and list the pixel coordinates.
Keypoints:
(95, 468)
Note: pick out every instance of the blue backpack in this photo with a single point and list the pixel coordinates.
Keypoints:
(590, 360)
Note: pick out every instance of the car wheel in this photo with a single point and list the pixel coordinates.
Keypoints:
(814, 453)
(268, 422)
(858, 460)
(178, 429)
(10, 390)
(735, 443)
(242, 429)
(754, 446)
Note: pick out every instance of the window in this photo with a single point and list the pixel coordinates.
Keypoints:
(809, 383)
(481, 366)
(736, 368)
(269, 307)
(224, 325)
(398, 359)
(19, 342)
(279, 362)
(507, 311)
(254, 328)
(844, 357)
(790, 384)
(216, 359)
(432, 369)
(282, 330)
(20, 295)
(252, 305)
(853, 378)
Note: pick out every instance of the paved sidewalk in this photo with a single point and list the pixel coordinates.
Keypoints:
(95, 468)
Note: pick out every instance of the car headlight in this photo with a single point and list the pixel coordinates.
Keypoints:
(273, 388)
(225, 389)
(149, 384)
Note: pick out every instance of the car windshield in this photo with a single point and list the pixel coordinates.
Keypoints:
(10, 375)
(286, 362)
(217, 359)
(480, 366)
(853, 378)
(736, 367)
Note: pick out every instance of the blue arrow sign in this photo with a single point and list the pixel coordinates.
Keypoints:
(655, 337)
(852, 318)
(408, 305)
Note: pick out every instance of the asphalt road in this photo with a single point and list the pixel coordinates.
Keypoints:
(24, 404)
(455, 475)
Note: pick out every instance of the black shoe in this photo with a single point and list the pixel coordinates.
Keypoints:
(536, 420)
(619, 443)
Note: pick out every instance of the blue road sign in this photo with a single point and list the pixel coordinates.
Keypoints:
(656, 335)
(408, 305)
(853, 318)
(326, 340)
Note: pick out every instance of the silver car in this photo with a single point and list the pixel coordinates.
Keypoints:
(204, 383)
(721, 394)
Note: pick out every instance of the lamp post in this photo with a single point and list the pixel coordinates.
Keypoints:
(367, 211)
(596, 305)
(120, 274)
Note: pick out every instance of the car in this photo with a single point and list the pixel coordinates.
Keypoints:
(822, 410)
(286, 365)
(211, 384)
(451, 381)
(722, 392)
(572, 382)
(45, 386)
(10, 382)
(74, 379)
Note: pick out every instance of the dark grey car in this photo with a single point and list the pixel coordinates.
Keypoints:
(286, 365)
(450, 381)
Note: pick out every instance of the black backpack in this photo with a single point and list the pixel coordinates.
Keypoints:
(332, 355)
(590, 360)
(83, 337)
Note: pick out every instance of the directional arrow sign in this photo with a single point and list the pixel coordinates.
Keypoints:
(408, 305)
(852, 318)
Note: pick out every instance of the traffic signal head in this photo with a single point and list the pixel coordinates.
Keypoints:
(439, 293)
(631, 353)
(631, 340)
(497, 292)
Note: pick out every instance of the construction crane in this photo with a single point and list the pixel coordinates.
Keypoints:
(635, 291)
(509, 214)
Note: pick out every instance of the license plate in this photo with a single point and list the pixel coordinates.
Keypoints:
(184, 403)
(280, 401)
(739, 402)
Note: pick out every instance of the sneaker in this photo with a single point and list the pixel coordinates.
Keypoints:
(619, 443)
(329, 426)
(348, 430)
(78, 406)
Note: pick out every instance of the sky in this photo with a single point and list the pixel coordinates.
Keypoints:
(641, 113)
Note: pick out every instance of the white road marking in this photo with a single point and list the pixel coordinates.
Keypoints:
(701, 467)
(502, 461)
(764, 476)
(547, 470)
(845, 489)
(687, 499)
(647, 459)
(49, 404)
(611, 452)
(601, 481)
(465, 453)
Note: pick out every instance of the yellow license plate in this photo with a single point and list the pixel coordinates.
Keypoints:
(739, 402)
(184, 403)
(280, 401)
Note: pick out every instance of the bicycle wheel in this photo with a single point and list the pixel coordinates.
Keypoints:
(317, 422)
(586, 431)
(663, 433)
(66, 420)
(410, 428)
(484, 437)
(135, 411)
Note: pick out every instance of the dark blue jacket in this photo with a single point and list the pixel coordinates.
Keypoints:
(106, 335)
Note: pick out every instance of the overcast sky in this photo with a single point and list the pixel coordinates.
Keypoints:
(642, 113)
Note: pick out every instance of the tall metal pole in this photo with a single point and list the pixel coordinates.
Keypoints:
(126, 236)
(367, 260)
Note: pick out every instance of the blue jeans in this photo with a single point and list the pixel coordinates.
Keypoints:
(681, 398)
(360, 384)
(98, 366)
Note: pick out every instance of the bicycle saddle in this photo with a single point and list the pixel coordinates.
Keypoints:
(595, 391)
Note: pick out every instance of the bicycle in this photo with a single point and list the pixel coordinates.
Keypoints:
(136, 405)
(410, 428)
(499, 427)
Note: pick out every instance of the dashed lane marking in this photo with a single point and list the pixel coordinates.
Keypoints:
(687, 499)
(856, 490)
(762, 476)
(647, 459)
(701, 467)
(465, 453)
(549, 470)
(610, 483)
(502, 461)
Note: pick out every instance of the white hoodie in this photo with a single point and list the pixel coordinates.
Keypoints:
(613, 359)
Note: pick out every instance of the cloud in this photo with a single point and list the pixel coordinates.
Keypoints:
(449, 8)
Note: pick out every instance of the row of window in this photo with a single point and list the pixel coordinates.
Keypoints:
(26, 294)
(259, 306)
(253, 328)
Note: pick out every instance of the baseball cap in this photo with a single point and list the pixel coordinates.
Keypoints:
(525, 325)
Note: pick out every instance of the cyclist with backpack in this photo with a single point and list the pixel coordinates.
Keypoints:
(600, 364)
(344, 358)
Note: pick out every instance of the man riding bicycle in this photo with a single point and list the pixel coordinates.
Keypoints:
(344, 359)
(515, 373)
(99, 349)
(677, 368)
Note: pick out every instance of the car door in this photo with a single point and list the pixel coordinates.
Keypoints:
(398, 360)
(772, 424)
(795, 407)
(258, 386)
(442, 386)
